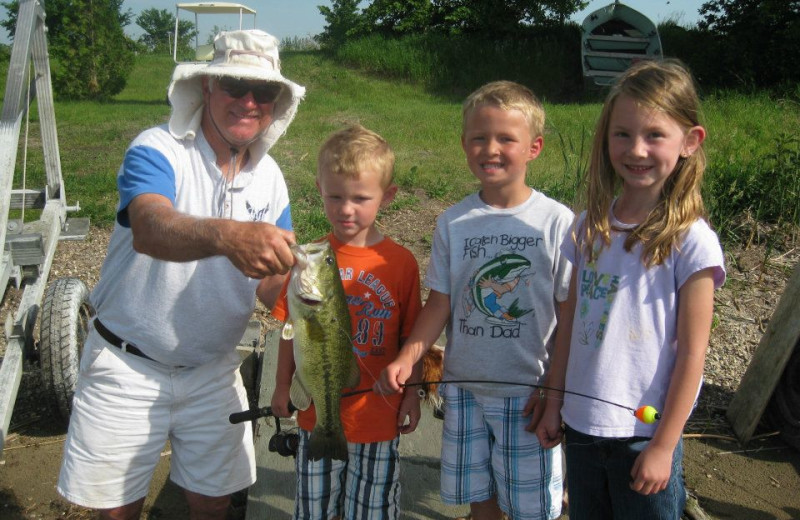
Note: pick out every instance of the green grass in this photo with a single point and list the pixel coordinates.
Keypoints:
(424, 130)
(93, 137)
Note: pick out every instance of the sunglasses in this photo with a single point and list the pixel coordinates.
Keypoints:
(262, 92)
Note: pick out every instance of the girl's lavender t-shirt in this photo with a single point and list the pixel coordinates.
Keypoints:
(624, 334)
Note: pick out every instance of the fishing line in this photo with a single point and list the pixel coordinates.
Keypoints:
(363, 365)
(646, 414)
(374, 379)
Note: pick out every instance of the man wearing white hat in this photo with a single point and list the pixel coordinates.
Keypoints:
(203, 227)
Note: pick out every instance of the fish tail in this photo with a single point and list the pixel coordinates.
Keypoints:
(327, 444)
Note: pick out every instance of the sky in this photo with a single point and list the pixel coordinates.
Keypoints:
(301, 18)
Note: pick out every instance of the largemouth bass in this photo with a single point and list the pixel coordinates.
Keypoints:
(325, 364)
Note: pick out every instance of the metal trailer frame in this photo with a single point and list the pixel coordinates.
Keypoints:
(29, 247)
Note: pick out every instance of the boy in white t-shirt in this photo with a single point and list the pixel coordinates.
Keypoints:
(497, 278)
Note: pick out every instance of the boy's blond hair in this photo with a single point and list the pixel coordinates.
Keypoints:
(354, 149)
(666, 86)
(507, 95)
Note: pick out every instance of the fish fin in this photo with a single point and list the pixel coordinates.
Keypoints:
(287, 332)
(327, 444)
(354, 377)
(299, 395)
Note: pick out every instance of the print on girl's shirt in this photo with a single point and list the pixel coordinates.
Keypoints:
(595, 286)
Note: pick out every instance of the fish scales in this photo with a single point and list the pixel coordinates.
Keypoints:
(320, 327)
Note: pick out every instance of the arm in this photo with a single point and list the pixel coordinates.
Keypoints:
(652, 468)
(255, 248)
(270, 288)
(284, 371)
(426, 331)
(548, 429)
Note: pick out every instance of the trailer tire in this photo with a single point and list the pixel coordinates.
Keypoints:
(66, 314)
(783, 410)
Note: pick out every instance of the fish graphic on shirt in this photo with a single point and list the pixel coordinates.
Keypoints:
(491, 282)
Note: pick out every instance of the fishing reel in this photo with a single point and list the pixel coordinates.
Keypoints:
(282, 442)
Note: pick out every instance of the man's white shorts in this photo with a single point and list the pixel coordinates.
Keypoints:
(125, 409)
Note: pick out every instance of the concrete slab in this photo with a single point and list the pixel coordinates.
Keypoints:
(273, 494)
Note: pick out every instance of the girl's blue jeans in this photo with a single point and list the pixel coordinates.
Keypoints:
(599, 477)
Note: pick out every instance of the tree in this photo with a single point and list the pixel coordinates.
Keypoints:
(754, 37)
(54, 9)
(495, 17)
(484, 16)
(398, 17)
(90, 55)
(561, 10)
(159, 28)
(91, 50)
(343, 21)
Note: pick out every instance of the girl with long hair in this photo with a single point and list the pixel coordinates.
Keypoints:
(646, 264)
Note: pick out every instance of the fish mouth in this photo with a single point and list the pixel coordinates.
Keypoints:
(304, 280)
(311, 302)
(306, 292)
(299, 254)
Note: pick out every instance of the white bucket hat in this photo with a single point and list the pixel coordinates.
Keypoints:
(249, 55)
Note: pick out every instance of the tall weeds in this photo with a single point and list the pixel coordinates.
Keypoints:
(457, 64)
(764, 191)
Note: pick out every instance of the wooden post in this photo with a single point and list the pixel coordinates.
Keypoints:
(767, 365)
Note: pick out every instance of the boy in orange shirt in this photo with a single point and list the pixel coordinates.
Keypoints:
(381, 280)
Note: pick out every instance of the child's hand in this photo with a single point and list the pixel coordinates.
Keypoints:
(280, 402)
(409, 409)
(549, 430)
(652, 469)
(392, 378)
(535, 408)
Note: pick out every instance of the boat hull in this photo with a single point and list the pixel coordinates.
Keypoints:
(613, 38)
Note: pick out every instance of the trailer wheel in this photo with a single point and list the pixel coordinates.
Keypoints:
(783, 410)
(66, 313)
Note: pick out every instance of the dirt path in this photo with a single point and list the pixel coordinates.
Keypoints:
(758, 482)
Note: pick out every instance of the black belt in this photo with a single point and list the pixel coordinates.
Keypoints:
(117, 341)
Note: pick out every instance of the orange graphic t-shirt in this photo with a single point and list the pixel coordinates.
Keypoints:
(382, 286)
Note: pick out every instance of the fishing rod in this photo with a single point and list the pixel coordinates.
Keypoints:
(646, 414)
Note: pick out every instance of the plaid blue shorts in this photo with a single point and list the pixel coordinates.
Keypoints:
(486, 452)
(365, 487)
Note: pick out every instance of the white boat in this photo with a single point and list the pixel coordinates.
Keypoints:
(614, 37)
